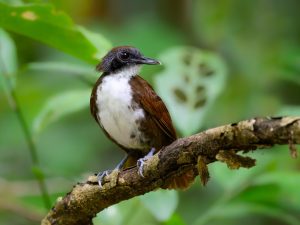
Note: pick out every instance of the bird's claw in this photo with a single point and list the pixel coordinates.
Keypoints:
(101, 176)
(140, 166)
(141, 162)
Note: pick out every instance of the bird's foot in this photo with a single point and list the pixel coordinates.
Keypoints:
(102, 175)
(141, 162)
(140, 166)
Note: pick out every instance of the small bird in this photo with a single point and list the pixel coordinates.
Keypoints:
(129, 111)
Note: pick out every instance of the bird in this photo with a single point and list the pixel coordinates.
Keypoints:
(130, 112)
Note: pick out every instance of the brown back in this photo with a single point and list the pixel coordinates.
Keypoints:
(158, 125)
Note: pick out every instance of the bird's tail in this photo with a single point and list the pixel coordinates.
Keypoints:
(182, 181)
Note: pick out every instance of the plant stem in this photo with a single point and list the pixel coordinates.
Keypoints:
(13, 100)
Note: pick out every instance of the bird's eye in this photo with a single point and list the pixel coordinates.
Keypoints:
(124, 55)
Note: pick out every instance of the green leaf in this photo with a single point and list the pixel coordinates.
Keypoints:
(8, 65)
(290, 64)
(97, 40)
(287, 183)
(189, 85)
(8, 56)
(61, 67)
(85, 73)
(275, 194)
(44, 23)
(161, 203)
(61, 105)
(129, 212)
(231, 179)
(261, 194)
(175, 220)
(8, 53)
(12, 1)
(110, 216)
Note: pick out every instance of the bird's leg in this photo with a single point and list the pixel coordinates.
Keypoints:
(102, 175)
(141, 161)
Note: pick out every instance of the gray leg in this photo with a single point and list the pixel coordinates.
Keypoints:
(102, 175)
(141, 161)
(121, 164)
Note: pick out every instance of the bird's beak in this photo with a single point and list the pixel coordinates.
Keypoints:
(146, 60)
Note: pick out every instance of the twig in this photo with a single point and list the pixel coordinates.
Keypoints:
(85, 200)
(15, 105)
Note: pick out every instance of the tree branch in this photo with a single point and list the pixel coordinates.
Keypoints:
(222, 143)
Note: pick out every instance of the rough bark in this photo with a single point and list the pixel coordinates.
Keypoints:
(85, 200)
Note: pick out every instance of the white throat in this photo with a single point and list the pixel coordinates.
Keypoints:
(117, 112)
(127, 72)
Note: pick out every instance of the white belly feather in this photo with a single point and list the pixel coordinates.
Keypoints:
(118, 118)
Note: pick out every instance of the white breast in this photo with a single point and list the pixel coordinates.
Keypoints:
(117, 116)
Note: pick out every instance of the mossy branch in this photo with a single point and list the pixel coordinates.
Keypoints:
(86, 199)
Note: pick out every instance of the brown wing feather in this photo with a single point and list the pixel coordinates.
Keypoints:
(93, 99)
(153, 105)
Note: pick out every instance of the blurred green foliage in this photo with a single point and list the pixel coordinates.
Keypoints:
(48, 61)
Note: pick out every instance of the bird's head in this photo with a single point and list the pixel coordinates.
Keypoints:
(123, 57)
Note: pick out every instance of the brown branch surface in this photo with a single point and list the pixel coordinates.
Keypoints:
(85, 200)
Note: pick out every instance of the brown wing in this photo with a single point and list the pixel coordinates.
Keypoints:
(153, 105)
(93, 99)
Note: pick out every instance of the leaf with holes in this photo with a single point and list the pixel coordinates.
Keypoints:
(189, 85)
